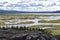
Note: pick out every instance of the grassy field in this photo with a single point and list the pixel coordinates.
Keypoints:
(24, 16)
(49, 21)
(26, 22)
(54, 31)
(1, 22)
(35, 27)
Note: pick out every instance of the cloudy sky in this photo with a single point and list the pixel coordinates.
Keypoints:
(30, 5)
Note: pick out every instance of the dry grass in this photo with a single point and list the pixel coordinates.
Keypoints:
(26, 22)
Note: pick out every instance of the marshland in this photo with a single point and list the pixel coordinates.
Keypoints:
(48, 24)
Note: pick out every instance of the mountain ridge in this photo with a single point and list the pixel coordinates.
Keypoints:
(14, 12)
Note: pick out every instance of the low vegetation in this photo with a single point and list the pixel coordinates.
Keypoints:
(49, 21)
(34, 27)
(24, 16)
(47, 31)
(26, 22)
(1, 22)
(55, 31)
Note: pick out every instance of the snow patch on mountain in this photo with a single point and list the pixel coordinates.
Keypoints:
(30, 5)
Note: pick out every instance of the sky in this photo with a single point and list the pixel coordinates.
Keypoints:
(30, 5)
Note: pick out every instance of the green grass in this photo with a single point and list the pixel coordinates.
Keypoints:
(55, 32)
(51, 31)
(25, 16)
(26, 22)
(49, 21)
(35, 27)
(1, 22)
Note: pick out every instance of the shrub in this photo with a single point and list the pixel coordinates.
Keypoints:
(21, 28)
(3, 28)
(12, 27)
(16, 28)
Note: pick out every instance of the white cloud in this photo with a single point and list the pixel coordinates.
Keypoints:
(30, 5)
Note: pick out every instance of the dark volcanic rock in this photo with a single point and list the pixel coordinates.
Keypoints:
(58, 37)
(24, 35)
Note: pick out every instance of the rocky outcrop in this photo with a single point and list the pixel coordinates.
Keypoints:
(57, 36)
(24, 35)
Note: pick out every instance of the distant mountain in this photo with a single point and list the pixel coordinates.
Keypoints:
(15, 12)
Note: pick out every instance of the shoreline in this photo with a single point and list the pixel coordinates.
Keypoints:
(34, 13)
